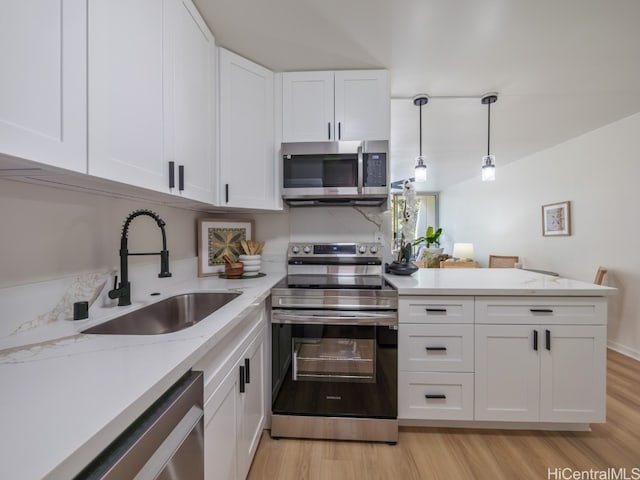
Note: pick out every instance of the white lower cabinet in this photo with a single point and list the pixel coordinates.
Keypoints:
(234, 408)
(518, 359)
(435, 361)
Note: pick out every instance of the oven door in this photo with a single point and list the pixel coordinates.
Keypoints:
(335, 363)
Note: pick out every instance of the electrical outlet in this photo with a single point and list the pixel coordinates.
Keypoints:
(377, 237)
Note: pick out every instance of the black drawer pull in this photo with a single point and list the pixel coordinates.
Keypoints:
(339, 130)
(329, 130)
(181, 178)
(242, 377)
(547, 335)
(436, 310)
(172, 174)
(247, 374)
(436, 349)
(436, 395)
(535, 340)
(540, 310)
(226, 193)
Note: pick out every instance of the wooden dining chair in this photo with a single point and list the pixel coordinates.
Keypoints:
(600, 275)
(459, 264)
(503, 261)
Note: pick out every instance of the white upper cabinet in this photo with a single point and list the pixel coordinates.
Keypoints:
(151, 87)
(43, 82)
(191, 106)
(341, 105)
(307, 106)
(247, 140)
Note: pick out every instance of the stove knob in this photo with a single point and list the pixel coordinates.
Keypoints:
(307, 249)
(362, 249)
(295, 249)
(373, 249)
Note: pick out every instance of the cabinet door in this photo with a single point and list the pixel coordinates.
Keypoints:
(190, 110)
(220, 430)
(126, 97)
(362, 105)
(573, 373)
(247, 148)
(507, 373)
(252, 406)
(307, 107)
(43, 94)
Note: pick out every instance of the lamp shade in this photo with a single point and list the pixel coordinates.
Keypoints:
(463, 251)
(420, 172)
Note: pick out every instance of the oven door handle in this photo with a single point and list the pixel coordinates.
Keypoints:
(334, 318)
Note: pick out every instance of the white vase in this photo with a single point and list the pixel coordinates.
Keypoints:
(252, 264)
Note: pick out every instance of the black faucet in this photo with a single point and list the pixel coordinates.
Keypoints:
(123, 292)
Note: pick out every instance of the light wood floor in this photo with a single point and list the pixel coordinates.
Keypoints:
(458, 454)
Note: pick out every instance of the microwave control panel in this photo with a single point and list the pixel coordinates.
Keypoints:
(375, 174)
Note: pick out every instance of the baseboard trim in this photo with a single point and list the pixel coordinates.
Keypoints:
(624, 350)
(558, 427)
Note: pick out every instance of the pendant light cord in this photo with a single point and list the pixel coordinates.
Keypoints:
(488, 128)
(420, 130)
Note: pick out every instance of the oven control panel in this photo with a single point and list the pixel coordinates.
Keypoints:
(333, 250)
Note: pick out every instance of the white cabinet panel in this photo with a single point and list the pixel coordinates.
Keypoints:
(507, 373)
(247, 144)
(573, 374)
(435, 396)
(435, 348)
(126, 96)
(435, 309)
(362, 104)
(191, 109)
(536, 310)
(307, 106)
(43, 99)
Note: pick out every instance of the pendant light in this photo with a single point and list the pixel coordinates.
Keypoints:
(420, 173)
(489, 161)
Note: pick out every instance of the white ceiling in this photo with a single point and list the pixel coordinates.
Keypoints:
(560, 67)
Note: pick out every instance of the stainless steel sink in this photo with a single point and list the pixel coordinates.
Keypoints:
(168, 315)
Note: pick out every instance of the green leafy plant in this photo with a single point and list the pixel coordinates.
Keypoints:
(430, 237)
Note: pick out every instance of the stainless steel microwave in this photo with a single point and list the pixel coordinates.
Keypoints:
(335, 173)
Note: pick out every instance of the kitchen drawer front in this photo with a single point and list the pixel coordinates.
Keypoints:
(537, 310)
(435, 348)
(435, 396)
(444, 309)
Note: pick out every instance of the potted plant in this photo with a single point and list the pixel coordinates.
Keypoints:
(430, 255)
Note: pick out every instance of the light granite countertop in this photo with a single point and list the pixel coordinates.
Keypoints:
(65, 395)
(492, 281)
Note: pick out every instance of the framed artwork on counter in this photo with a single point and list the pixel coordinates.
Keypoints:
(218, 237)
(556, 219)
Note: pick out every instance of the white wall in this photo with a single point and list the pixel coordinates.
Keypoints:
(48, 233)
(598, 172)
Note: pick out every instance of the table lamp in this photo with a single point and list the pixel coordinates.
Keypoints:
(463, 251)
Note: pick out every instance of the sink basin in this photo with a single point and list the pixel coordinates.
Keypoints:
(169, 315)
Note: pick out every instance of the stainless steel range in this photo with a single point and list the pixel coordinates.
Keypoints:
(335, 345)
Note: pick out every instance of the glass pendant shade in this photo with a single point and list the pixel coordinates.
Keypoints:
(488, 168)
(420, 172)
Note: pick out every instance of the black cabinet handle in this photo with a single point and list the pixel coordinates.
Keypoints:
(436, 310)
(172, 174)
(339, 130)
(547, 339)
(226, 193)
(329, 130)
(540, 310)
(247, 374)
(436, 395)
(181, 177)
(436, 349)
(242, 377)
(535, 340)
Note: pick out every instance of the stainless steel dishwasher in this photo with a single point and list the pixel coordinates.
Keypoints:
(165, 442)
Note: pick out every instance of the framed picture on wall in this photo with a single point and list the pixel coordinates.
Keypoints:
(218, 237)
(556, 219)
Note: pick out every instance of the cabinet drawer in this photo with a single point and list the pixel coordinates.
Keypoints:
(435, 348)
(536, 310)
(435, 396)
(435, 309)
